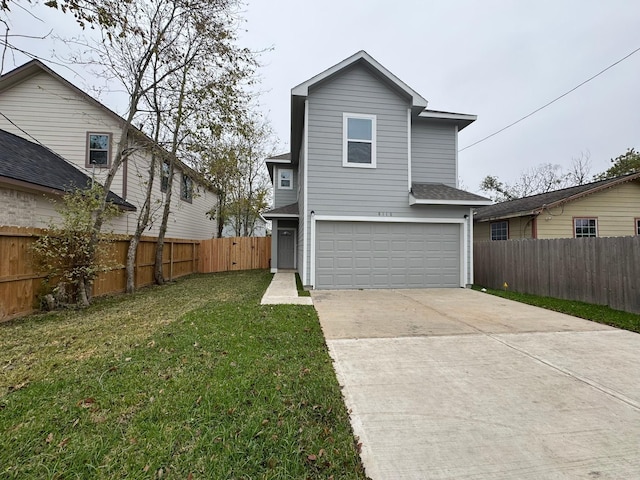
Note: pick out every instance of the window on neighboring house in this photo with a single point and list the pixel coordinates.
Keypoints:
(98, 149)
(585, 227)
(500, 230)
(359, 143)
(637, 226)
(164, 176)
(186, 188)
(285, 178)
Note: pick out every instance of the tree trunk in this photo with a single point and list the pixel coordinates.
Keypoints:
(158, 274)
(83, 296)
(131, 263)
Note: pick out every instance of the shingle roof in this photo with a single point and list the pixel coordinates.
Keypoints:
(287, 210)
(25, 161)
(533, 204)
(442, 192)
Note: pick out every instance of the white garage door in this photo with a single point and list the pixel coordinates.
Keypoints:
(387, 255)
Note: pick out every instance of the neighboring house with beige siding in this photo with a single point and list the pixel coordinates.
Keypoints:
(40, 106)
(607, 208)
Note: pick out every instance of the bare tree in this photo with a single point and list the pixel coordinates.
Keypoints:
(580, 170)
(540, 179)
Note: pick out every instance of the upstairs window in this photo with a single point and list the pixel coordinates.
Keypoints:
(186, 188)
(98, 149)
(585, 227)
(637, 226)
(164, 176)
(285, 179)
(500, 230)
(359, 142)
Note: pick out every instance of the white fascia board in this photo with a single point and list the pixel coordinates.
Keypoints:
(302, 90)
(269, 160)
(283, 215)
(448, 116)
(343, 218)
(467, 203)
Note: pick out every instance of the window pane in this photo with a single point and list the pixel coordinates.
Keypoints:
(99, 142)
(359, 152)
(187, 188)
(637, 227)
(98, 157)
(499, 231)
(586, 227)
(359, 129)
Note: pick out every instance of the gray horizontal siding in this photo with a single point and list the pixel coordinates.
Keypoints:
(357, 191)
(282, 197)
(433, 153)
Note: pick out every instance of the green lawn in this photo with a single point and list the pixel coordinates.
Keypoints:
(589, 311)
(184, 381)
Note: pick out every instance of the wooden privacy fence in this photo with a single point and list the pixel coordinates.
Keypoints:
(235, 253)
(604, 271)
(21, 285)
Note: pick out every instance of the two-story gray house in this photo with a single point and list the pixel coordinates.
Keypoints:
(368, 196)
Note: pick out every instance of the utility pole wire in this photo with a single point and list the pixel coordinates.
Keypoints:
(552, 101)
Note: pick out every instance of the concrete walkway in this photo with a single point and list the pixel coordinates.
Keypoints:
(282, 290)
(456, 384)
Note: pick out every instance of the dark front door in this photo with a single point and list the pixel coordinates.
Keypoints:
(286, 249)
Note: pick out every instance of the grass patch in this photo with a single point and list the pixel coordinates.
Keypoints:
(301, 291)
(596, 313)
(189, 380)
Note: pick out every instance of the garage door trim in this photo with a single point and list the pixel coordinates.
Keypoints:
(463, 222)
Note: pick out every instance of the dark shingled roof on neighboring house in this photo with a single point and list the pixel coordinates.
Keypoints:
(28, 164)
(286, 211)
(442, 192)
(536, 203)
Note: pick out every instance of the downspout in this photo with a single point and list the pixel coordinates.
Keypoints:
(305, 245)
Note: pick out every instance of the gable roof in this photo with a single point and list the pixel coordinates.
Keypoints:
(27, 164)
(534, 204)
(441, 194)
(300, 92)
(34, 67)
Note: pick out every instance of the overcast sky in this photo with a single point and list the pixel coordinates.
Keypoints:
(497, 59)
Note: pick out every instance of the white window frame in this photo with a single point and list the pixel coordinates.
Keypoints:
(88, 162)
(575, 226)
(491, 230)
(280, 172)
(637, 226)
(346, 140)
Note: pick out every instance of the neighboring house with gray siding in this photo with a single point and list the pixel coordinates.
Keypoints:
(368, 196)
(76, 131)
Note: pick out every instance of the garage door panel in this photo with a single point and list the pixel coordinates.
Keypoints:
(387, 255)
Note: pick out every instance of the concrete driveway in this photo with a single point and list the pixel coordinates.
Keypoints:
(457, 384)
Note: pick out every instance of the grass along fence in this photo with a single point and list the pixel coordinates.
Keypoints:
(602, 271)
(21, 285)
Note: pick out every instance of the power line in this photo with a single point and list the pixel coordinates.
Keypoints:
(552, 101)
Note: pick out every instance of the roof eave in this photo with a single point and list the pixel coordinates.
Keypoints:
(525, 213)
(463, 120)
(272, 216)
(438, 201)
